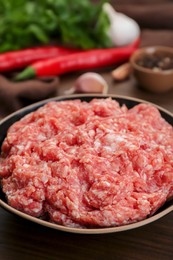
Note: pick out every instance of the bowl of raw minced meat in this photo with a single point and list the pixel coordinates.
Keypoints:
(88, 163)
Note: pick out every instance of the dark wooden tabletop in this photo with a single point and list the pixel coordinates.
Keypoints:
(21, 239)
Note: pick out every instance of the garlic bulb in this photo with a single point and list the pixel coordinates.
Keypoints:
(123, 29)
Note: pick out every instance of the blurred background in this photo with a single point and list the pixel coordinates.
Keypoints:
(79, 24)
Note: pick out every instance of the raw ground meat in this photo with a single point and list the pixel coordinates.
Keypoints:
(90, 164)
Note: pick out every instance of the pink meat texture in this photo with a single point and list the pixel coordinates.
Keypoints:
(89, 164)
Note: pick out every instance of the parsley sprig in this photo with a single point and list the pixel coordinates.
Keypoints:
(78, 23)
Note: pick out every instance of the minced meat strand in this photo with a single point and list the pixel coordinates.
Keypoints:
(90, 164)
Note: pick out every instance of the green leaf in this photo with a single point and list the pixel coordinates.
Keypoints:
(38, 32)
(78, 23)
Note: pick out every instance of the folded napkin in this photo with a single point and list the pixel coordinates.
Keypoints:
(15, 95)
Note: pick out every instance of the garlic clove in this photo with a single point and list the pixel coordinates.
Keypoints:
(123, 29)
(89, 82)
(122, 72)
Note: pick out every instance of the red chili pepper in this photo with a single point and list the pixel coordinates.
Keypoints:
(22, 58)
(78, 61)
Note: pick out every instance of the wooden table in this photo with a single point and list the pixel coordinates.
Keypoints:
(20, 239)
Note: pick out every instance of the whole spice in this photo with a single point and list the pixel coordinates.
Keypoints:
(156, 61)
(19, 59)
(89, 82)
(96, 58)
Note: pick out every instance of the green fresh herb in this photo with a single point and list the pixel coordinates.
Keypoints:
(78, 23)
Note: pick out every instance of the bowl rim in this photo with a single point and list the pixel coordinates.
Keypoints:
(146, 50)
(104, 230)
(59, 227)
(75, 96)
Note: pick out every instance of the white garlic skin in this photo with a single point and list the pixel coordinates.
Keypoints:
(123, 30)
(91, 82)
